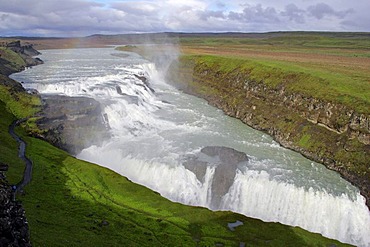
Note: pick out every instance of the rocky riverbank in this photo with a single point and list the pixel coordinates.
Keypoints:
(15, 57)
(72, 123)
(327, 132)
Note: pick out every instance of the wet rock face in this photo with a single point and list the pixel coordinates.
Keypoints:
(129, 98)
(72, 123)
(13, 224)
(226, 162)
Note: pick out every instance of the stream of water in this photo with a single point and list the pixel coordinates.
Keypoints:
(154, 126)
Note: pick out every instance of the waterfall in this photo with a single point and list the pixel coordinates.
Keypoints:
(154, 126)
(255, 195)
(252, 194)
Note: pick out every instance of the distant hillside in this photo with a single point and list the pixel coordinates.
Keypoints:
(100, 40)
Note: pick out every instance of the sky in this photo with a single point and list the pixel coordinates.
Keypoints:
(86, 17)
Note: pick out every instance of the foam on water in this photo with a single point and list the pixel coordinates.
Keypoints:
(254, 194)
(152, 130)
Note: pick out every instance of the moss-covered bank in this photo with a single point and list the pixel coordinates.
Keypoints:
(298, 109)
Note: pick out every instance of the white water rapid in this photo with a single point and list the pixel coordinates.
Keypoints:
(154, 126)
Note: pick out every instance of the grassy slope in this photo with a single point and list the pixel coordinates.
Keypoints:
(224, 81)
(337, 67)
(12, 56)
(19, 105)
(74, 203)
(16, 62)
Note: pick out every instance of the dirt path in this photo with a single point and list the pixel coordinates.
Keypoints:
(27, 175)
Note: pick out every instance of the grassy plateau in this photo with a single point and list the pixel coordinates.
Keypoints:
(331, 66)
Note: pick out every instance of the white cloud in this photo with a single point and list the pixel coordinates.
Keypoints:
(321, 10)
(294, 13)
(84, 17)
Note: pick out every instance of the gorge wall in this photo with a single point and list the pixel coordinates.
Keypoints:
(327, 132)
(14, 57)
(13, 223)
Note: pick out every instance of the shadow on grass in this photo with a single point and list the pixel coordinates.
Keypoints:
(75, 203)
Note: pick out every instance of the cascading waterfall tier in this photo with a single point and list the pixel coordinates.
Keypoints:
(156, 128)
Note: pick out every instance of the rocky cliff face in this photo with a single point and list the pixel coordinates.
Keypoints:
(326, 132)
(72, 123)
(27, 50)
(13, 223)
(26, 53)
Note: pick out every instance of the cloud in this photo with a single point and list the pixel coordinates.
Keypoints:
(294, 13)
(321, 10)
(34, 7)
(4, 17)
(208, 15)
(85, 17)
(256, 13)
(137, 8)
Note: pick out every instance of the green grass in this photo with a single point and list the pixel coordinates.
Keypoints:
(353, 91)
(69, 199)
(9, 147)
(287, 40)
(329, 66)
(14, 105)
(317, 83)
(15, 60)
(70, 202)
(304, 141)
(20, 104)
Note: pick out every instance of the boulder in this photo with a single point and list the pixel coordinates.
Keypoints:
(72, 123)
(226, 162)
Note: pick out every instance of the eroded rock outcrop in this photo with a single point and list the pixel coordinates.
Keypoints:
(9, 65)
(224, 160)
(72, 123)
(25, 49)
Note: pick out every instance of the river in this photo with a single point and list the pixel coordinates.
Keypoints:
(154, 127)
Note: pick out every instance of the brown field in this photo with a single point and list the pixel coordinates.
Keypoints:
(337, 63)
(345, 58)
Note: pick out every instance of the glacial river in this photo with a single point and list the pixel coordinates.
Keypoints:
(154, 126)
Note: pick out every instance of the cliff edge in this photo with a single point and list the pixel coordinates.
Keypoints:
(329, 132)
